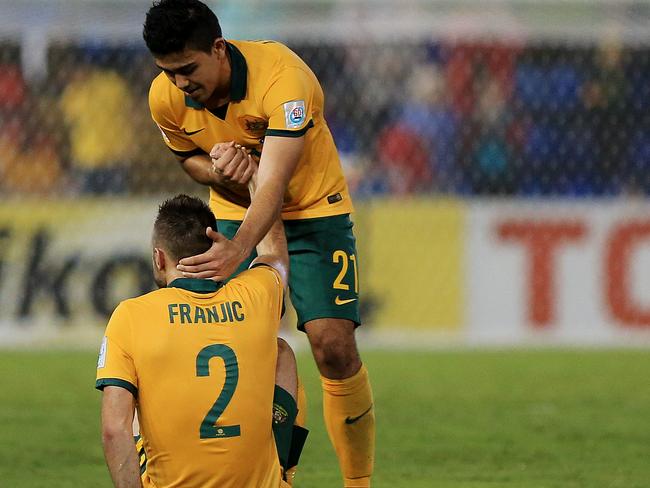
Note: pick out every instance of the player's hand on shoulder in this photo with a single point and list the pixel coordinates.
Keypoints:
(217, 263)
(232, 163)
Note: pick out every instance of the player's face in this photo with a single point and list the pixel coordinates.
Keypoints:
(199, 74)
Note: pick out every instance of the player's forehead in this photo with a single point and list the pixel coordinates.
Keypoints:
(177, 60)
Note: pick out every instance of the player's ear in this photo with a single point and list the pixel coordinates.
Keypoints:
(219, 47)
(159, 258)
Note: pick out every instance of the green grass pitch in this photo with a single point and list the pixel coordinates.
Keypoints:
(462, 419)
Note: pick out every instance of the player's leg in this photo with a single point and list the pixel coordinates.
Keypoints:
(347, 398)
(324, 290)
(285, 407)
(288, 399)
(334, 347)
(299, 433)
(286, 369)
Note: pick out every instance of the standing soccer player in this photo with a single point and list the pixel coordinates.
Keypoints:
(215, 96)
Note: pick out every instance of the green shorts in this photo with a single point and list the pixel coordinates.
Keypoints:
(324, 270)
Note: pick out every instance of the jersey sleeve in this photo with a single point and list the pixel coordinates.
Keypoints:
(160, 105)
(288, 103)
(115, 366)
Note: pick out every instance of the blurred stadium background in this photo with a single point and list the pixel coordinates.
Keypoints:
(499, 156)
(498, 152)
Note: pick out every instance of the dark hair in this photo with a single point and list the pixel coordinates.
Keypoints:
(173, 25)
(180, 226)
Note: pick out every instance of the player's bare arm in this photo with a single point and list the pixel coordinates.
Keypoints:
(199, 168)
(279, 159)
(272, 249)
(118, 406)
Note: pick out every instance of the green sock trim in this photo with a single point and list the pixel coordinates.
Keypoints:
(285, 410)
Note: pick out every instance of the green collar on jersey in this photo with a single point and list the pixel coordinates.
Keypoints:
(238, 78)
(197, 286)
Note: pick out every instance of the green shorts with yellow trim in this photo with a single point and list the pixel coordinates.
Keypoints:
(324, 270)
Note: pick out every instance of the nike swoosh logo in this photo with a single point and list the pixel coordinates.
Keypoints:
(191, 133)
(351, 420)
(338, 301)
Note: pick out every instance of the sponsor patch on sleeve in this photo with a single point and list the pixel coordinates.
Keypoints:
(101, 362)
(294, 114)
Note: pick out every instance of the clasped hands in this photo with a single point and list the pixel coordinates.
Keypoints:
(232, 163)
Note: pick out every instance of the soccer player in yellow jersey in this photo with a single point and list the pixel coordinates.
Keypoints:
(215, 96)
(197, 358)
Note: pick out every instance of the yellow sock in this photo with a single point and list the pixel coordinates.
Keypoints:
(350, 421)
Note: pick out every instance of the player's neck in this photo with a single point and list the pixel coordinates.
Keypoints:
(221, 95)
(215, 101)
(172, 274)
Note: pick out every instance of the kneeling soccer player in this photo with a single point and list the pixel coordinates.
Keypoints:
(198, 360)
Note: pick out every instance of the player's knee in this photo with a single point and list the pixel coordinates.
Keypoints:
(285, 352)
(334, 347)
(286, 371)
(334, 359)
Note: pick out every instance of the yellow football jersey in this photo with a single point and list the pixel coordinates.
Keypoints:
(273, 93)
(200, 360)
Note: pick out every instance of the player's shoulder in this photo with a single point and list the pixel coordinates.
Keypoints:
(163, 94)
(159, 86)
(271, 54)
(260, 276)
(142, 302)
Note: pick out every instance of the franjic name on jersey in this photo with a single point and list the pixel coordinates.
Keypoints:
(184, 313)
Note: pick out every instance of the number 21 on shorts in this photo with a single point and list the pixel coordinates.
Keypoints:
(343, 259)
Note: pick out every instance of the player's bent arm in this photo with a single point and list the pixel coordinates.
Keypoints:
(199, 168)
(118, 406)
(278, 162)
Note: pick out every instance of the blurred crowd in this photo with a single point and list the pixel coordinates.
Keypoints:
(483, 119)
(83, 129)
(491, 119)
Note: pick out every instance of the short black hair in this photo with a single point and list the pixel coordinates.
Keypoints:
(173, 25)
(180, 226)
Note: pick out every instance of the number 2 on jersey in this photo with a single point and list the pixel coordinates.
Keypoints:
(209, 429)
